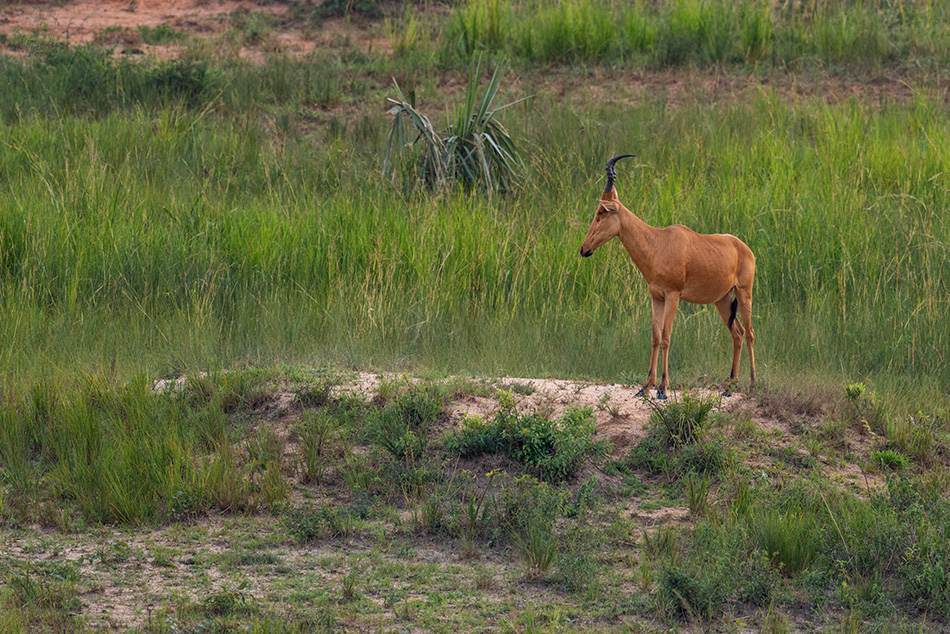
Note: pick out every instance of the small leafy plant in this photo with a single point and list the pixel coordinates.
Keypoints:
(889, 459)
(161, 34)
(227, 601)
(309, 524)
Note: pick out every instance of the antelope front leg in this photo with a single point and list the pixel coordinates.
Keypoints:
(669, 312)
(655, 351)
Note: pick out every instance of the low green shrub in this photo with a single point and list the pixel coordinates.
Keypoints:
(477, 437)
(228, 601)
(402, 428)
(312, 524)
(555, 450)
(673, 446)
(681, 421)
(161, 34)
(689, 593)
(712, 456)
(889, 459)
(651, 454)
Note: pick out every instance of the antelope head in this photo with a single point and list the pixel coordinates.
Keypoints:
(606, 223)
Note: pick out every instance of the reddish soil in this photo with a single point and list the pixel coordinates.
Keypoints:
(116, 23)
(83, 20)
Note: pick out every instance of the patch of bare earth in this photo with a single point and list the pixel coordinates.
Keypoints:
(117, 23)
(82, 21)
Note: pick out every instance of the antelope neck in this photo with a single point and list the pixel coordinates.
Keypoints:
(637, 239)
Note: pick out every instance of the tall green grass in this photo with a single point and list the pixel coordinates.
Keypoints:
(867, 33)
(871, 555)
(158, 240)
(124, 454)
(59, 79)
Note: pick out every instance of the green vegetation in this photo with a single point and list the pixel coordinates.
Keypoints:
(388, 480)
(678, 443)
(555, 449)
(474, 150)
(821, 542)
(681, 422)
(261, 222)
(866, 33)
(58, 79)
(124, 454)
(225, 246)
(161, 34)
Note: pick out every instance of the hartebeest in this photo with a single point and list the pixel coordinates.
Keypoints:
(678, 263)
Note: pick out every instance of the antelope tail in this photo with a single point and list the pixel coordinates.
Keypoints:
(735, 307)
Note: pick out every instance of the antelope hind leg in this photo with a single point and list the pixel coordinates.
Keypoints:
(724, 306)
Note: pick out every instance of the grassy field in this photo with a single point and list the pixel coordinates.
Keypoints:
(201, 240)
(864, 33)
(207, 214)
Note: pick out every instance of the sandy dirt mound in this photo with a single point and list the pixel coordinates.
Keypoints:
(621, 416)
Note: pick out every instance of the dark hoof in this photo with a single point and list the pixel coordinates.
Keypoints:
(726, 393)
(640, 393)
(661, 396)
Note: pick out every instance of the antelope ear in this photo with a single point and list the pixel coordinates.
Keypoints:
(610, 205)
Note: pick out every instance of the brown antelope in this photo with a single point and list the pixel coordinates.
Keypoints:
(678, 263)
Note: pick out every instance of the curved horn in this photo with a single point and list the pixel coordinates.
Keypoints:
(612, 173)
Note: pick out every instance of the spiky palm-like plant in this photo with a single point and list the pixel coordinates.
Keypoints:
(475, 150)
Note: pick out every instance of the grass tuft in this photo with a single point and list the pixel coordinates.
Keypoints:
(681, 421)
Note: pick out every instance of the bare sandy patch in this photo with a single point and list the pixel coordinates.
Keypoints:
(81, 21)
